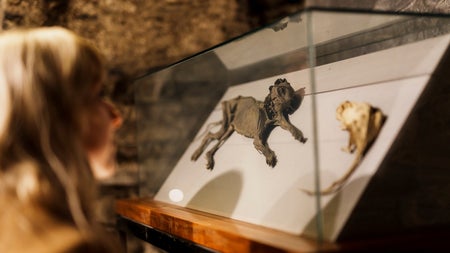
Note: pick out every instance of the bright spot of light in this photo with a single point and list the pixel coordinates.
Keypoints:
(176, 195)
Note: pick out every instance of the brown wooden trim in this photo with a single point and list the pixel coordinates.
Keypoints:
(215, 232)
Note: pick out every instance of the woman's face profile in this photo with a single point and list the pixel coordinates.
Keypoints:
(103, 120)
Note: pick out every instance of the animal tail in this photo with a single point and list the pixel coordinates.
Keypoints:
(207, 129)
(336, 185)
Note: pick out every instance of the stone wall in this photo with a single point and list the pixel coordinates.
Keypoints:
(139, 36)
(430, 6)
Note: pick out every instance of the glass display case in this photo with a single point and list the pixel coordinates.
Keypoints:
(326, 124)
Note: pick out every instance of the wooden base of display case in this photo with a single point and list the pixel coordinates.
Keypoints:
(177, 229)
(194, 229)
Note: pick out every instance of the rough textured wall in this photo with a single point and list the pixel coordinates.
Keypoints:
(137, 36)
(434, 6)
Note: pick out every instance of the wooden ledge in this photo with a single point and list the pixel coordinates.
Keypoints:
(214, 232)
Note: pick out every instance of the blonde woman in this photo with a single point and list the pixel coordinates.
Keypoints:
(56, 134)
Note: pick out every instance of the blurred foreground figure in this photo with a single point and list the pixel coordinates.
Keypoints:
(56, 134)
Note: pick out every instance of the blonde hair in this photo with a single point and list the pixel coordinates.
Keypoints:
(4, 108)
(46, 74)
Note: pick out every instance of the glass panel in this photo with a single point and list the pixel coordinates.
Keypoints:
(172, 104)
(254, 179)
(376, 62)
(369, 71)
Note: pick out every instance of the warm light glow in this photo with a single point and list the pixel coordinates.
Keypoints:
(176, 195)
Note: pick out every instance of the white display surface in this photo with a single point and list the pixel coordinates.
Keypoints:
(242, 186)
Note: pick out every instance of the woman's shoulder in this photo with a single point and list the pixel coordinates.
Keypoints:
(54, 237)
(71, 240)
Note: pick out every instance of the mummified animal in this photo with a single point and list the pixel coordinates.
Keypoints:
(363, 123)
(256, 119)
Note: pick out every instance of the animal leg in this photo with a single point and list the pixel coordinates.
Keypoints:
(297, 133)
(213, 150)
(263, 147)
(227, 116)
(206, 140)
